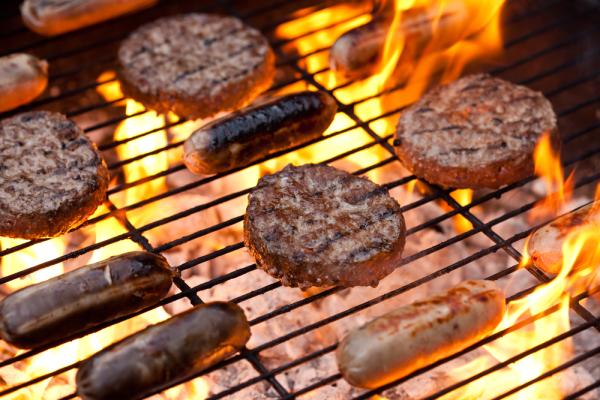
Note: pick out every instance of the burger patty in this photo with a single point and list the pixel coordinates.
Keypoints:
(314, 225)
(51, 175)
(477, 132)
(195, 65)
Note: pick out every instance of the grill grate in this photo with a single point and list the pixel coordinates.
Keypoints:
(557, 24)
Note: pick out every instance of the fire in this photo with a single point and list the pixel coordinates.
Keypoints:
(549, 168)
(133, 126)
(463, 197)
(30, 256)
(579, 272)
(458, 33)
(319, 30)
(146, 121)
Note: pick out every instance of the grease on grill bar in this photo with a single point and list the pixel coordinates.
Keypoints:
(196, 222)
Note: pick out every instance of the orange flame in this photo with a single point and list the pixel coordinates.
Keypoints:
(149, 165)
(549, 168)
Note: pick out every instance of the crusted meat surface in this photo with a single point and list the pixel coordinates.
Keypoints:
(314, 225)
(195, 65)
(51, 175)
(476, 132)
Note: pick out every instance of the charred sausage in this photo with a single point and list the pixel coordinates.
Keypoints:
(53, 17)
(357, 53)
(83, 298)
(247, 135)
(173, 349)
(23, 77)
(416, 335)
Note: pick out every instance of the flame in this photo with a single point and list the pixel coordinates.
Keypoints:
(458, 33)
(318, 30)
(463, 197)
(146, 121)
(579, 271)
(558, 190)
(131, 127)
(109, 227)
(28, 257)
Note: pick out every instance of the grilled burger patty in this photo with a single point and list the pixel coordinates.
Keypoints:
(477, 132)
(51, 175)
(195, 65)
(314, 225)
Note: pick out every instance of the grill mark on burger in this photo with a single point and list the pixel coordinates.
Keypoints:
(379, 191)
(340, 235)
(215, 65)
(445, 128)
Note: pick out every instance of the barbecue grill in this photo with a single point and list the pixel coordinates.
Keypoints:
(551, 46)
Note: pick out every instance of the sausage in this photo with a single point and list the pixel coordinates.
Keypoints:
(546, 244)
(83, 298)
(247, 135)
(23, 77)
(162, 353)
(411, 337)
(357, 53)
(53, 17)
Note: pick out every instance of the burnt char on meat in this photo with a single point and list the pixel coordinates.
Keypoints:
(247, 135)
(314, 225)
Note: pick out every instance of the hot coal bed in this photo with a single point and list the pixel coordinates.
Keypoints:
(195, 222)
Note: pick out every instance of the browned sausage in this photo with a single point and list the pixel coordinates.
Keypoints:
(173, 349)
(83, 298)
(23, 77)
(357, 53)
(546, 243)
(416, 335)
(247, 135)
(53, 17)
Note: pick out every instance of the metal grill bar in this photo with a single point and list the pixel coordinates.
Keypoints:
(252, 355)
(579, 393)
